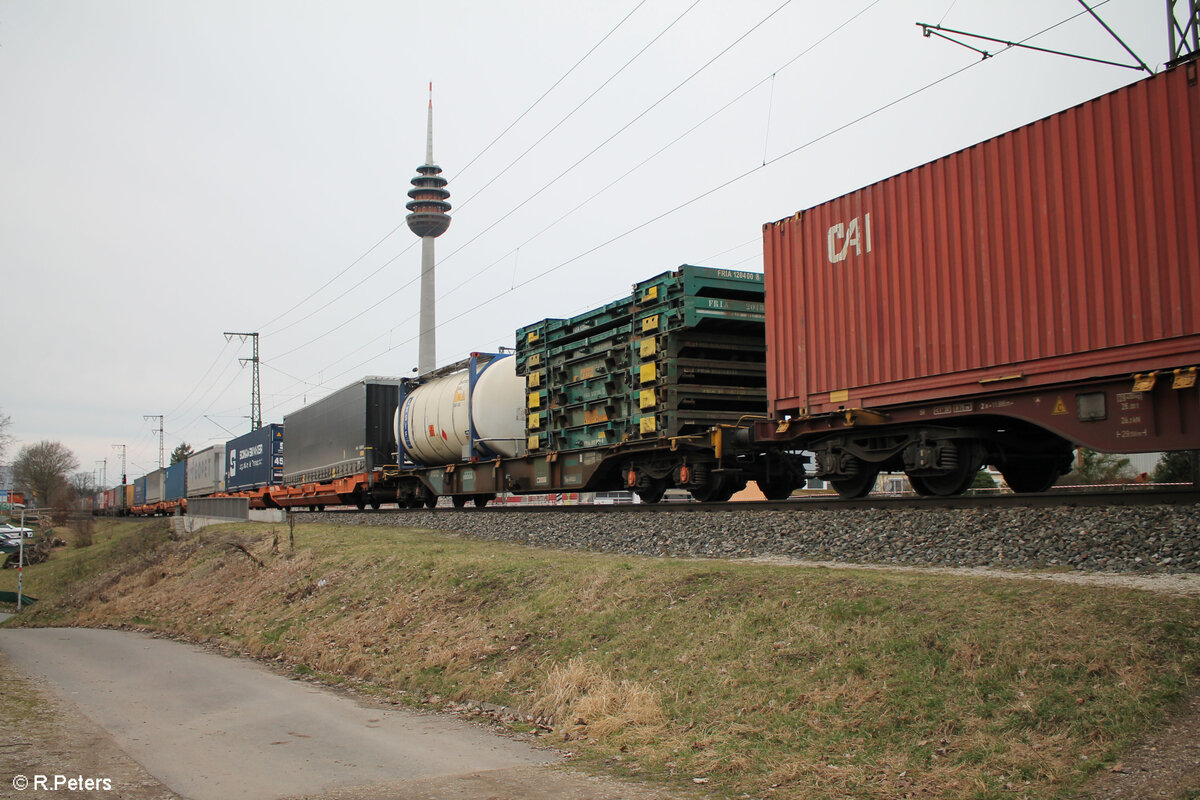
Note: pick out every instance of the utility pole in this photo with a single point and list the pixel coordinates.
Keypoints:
(161, 452)
(122, 461)
(255, 393)
(1183, 30)
(102, 466)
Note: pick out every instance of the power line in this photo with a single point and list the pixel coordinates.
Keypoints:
(330, 282)
(565, 172)
(706, 193)
(464, 169)
(570, 114)
(691, 201)
(204, 377)
(637, 167)
(670, 144)
(500, 135)
(620, 130)
(477, 192)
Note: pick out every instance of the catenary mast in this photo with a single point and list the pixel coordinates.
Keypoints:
(428, 218)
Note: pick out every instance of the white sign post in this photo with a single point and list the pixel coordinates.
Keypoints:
(20, 556)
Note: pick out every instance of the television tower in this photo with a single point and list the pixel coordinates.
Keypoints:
(428, 218)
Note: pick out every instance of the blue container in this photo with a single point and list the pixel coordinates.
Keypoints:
(176, 482)
(139, 491)
(255, 460)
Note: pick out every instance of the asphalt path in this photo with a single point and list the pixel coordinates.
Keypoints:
(216, 728)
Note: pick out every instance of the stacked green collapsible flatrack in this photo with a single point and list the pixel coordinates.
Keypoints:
(684, 352)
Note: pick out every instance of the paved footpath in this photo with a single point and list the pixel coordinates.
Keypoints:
(216, 728)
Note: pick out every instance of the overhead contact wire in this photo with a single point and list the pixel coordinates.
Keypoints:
(554, 86)
(713, 190)
(787, 64)
(469, 163)
(664, 148)
(723, 185)
(622, 129)
(495, 178)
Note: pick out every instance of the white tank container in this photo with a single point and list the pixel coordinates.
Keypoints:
(432, 424)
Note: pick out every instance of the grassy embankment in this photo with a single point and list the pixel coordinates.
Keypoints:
(765, 681)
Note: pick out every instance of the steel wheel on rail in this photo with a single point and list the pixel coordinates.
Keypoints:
(954, 481)
(855, 486)
(777, 490)
(650, 490)
(717, 491)
(482, 500)
(459, 500)
(1034, 474)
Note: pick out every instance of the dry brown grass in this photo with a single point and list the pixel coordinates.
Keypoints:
(766, 681)
(579, 693)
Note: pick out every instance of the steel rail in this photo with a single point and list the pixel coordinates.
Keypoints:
(1148, 497)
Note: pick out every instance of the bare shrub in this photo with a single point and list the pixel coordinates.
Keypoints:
(85, 532)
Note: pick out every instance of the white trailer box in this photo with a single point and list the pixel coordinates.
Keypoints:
(206, 471)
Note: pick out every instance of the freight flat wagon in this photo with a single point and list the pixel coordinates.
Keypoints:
(1032, 292)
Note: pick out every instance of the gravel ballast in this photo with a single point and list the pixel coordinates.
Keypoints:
(1114, 539)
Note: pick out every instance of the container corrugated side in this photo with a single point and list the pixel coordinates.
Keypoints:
(255, 459)
(1065, 249)
(175, 482)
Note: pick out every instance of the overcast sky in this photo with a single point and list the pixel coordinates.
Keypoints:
(174, 170)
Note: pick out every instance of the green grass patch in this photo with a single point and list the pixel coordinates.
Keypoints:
(766, 680)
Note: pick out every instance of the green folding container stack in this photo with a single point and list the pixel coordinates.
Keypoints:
(684, 352)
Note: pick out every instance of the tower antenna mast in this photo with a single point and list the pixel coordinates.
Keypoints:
(428, 218)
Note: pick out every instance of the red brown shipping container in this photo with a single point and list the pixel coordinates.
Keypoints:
(1063, 250)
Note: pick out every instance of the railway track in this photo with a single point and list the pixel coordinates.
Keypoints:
(1084, 499)
(1144, 531)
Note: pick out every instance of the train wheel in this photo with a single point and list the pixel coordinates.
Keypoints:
(955, 481)
(652, 492)
(431, 501)
(919, 486)
(718, 491)
(855, 486)
(777, 490)
(482, 500)
(459, 500)
(1033, 474)
(375, 504)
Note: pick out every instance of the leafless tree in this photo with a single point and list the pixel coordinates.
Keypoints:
(43, 467)
(83, 484)
(5, 438)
